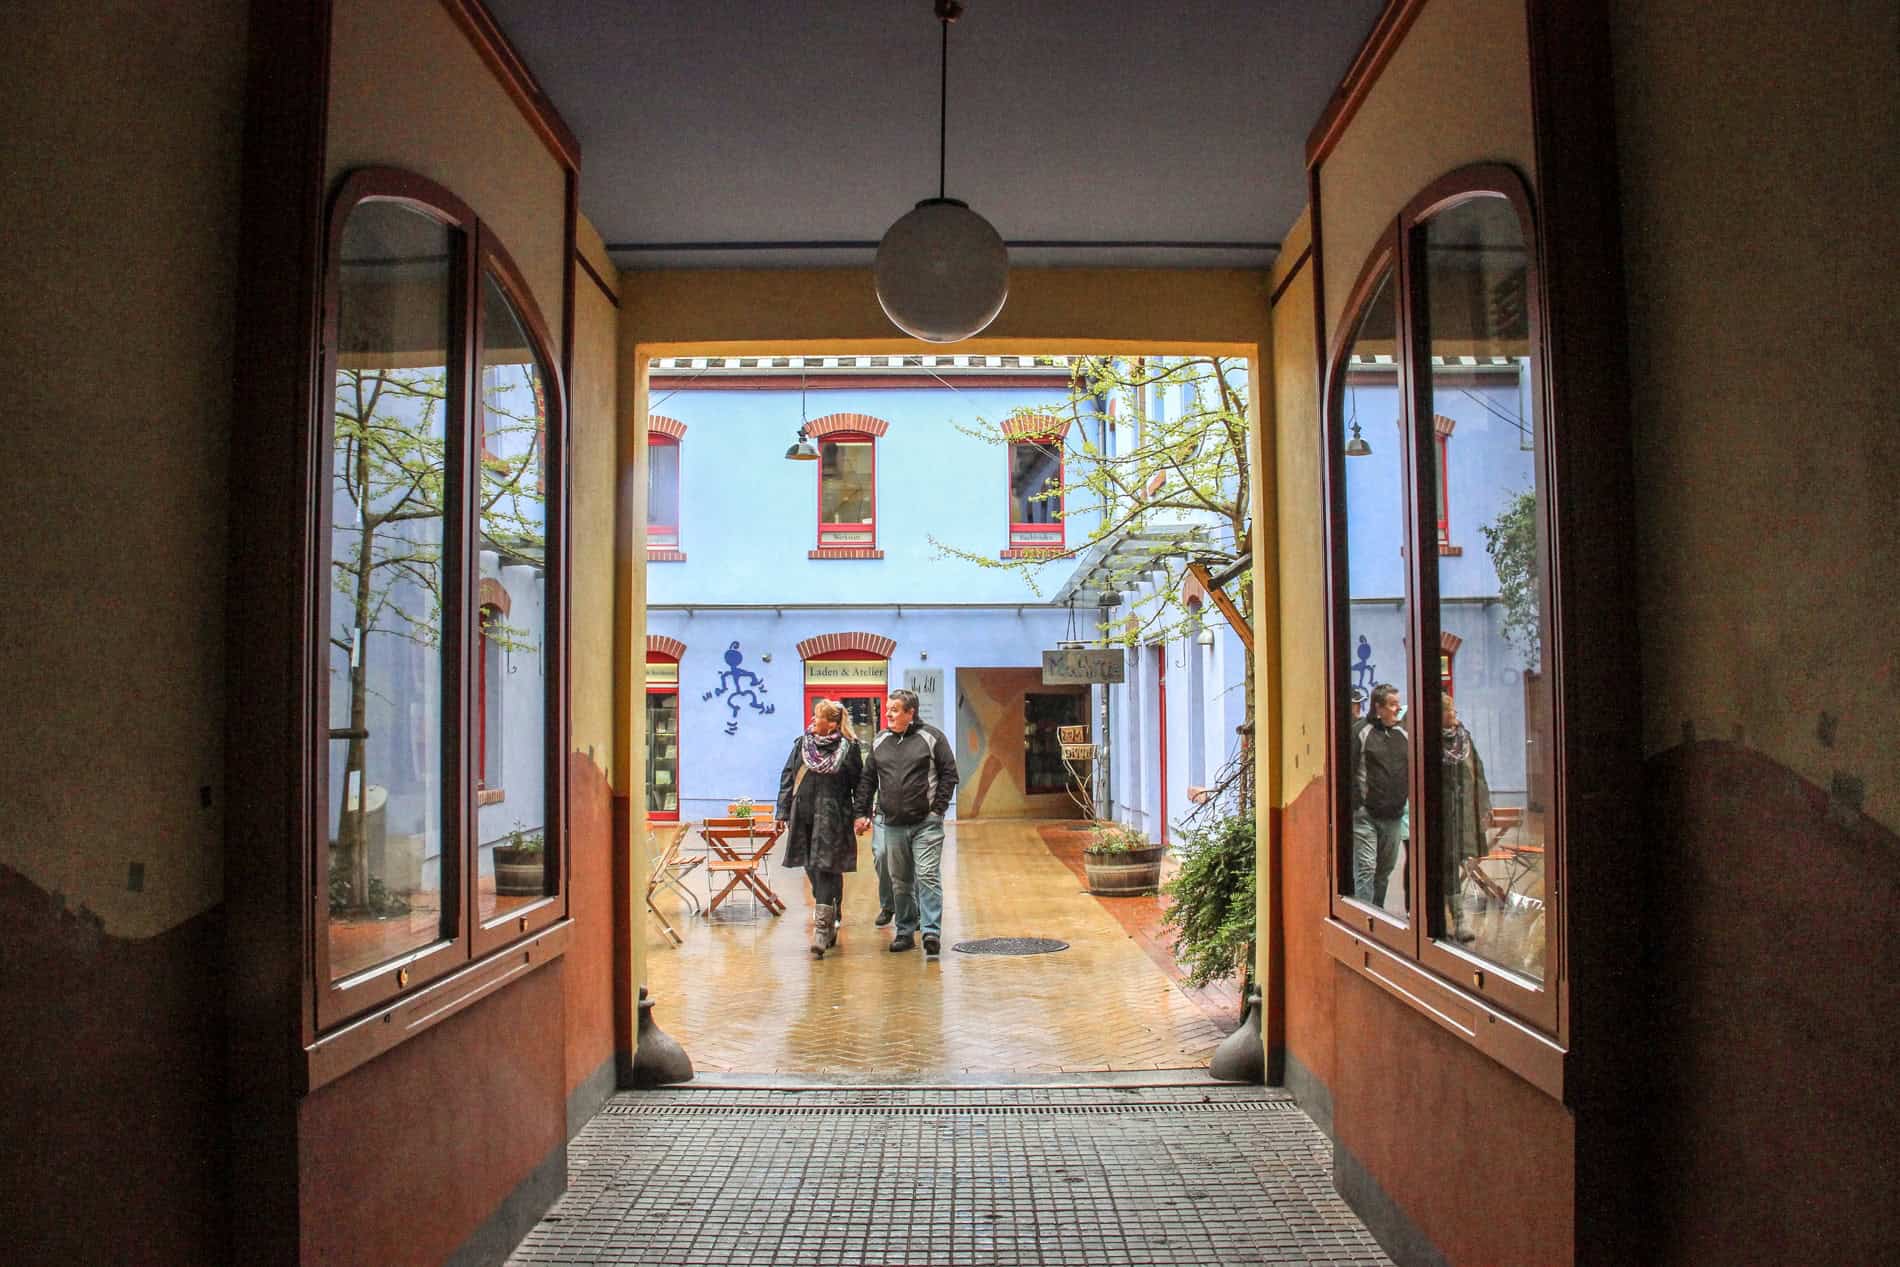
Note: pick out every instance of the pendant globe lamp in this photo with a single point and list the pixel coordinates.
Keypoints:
(942, 270)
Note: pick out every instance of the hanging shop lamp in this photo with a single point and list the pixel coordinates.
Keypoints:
(802, 450)
(1357, 446)
(942, 270)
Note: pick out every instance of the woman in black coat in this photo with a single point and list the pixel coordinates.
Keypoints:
(814, 799)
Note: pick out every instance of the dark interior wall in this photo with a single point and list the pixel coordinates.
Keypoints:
(119, 197)
(1760, 169)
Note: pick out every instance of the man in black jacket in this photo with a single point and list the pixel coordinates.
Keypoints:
(909, 778)
(1381, 784)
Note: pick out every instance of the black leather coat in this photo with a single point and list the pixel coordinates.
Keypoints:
(819, 814)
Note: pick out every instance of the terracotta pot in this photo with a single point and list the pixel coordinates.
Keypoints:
(1130, 873)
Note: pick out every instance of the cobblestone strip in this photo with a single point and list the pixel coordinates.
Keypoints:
(1113, 1176)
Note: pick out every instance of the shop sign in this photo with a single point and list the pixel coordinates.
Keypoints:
(845, 673)
(928, 685)
(1072, 734)
(663, 673)
(1077, 665)
(1078, 752)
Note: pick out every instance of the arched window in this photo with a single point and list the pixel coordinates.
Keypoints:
(1035, 485)
(664, 437)
(663, 727)
(1442, 854)
(441, 497)
(847, 485)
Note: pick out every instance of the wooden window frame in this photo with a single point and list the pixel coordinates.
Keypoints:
(832, 548)
(1535, 1012)
(467, 946)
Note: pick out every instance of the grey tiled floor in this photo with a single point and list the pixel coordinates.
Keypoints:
(963, 1175)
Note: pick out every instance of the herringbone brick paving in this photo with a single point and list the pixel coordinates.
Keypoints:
(1068, 1176)
(743, 994)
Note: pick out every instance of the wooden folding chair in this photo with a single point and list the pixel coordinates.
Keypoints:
(740, 847)
(666, 838)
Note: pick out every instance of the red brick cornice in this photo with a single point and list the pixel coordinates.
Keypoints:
(1449, 642)
(660, 644)
(875, 645)
(493, 594)
(1442, 425)
(1035, 427)
(833, 423)
(661, 425)
(845, 552)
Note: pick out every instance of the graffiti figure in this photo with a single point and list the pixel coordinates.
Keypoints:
(1362, 671)
(732, 685)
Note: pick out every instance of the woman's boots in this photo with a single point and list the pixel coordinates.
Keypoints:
(824, 930)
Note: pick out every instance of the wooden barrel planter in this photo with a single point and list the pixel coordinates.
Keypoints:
(519, 873)
(1128, 873)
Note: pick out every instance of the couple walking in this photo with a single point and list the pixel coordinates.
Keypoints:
(827, 796)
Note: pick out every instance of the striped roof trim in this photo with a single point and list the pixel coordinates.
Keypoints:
(1385, 360)
(768, 364)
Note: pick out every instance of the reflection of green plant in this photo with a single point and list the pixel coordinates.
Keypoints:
(522, 843)
(1112, 837)
(742, 808)
(1212, 896)
(1511, 541)
(378, 902)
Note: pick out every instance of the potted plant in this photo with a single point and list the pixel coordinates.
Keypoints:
(520, 866)
(1120, 861)
(1212, 896)
(742, 808)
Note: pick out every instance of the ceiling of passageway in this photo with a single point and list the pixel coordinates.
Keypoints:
(754, 121)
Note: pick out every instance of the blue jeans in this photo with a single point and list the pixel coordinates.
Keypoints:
(1375, 848)
(885, 900)
(913, 857)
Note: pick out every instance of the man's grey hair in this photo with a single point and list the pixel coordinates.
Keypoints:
(1383, 692)
(907, 698)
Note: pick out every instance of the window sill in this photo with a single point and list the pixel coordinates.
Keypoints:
(1033, 552)
(1449, 551)
(663, 554)
(361, 1041)
(846, 552)
(490, 796)
(1527, 1053)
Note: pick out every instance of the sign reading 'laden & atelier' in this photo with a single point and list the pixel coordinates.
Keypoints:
(1075, 665)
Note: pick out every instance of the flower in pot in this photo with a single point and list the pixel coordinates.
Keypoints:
(1120, 861)
(520, 865)
(742, 808)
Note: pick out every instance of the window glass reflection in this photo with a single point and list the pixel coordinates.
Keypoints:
(388, 448)
(1372, 457)
(512, 576)
(844, 486)
(1487, 870)
(1035, 484)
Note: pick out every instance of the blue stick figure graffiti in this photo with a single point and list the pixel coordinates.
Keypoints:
(1363, 670)
(733, 686)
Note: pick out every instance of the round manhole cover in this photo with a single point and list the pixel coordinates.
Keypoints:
(1011, 946)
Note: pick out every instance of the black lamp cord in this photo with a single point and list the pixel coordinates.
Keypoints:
(943, 103)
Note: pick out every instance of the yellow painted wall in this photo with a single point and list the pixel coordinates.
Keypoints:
(1457, 91)
(1762, 274)
(1298, 437)
(118, 260)
(408, 90)
(594, 394)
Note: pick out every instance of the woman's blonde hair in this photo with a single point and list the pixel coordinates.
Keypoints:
(832, 710)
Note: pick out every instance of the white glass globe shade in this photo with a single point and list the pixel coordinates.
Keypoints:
(942, 272)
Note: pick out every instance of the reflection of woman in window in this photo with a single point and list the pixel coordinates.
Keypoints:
(1465, 809)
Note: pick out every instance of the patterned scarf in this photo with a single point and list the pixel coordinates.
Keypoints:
(823, 753)
(1457, 744)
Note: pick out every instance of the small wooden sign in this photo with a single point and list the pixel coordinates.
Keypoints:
(1077, 665)
(1078, 752)
(1072, 734)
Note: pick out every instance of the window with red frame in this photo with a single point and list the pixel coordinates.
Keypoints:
(488, 709)
(663, 494)
(847, 490)
(1444, 491)
(1035, 494)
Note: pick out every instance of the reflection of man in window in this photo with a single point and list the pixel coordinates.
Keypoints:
(1380, 784)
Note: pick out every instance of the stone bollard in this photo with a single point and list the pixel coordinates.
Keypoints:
(1242, 1055)
(657, 1059)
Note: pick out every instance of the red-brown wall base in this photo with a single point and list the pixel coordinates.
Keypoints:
(407, 1158)
(589, 970)
(111, 1088)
